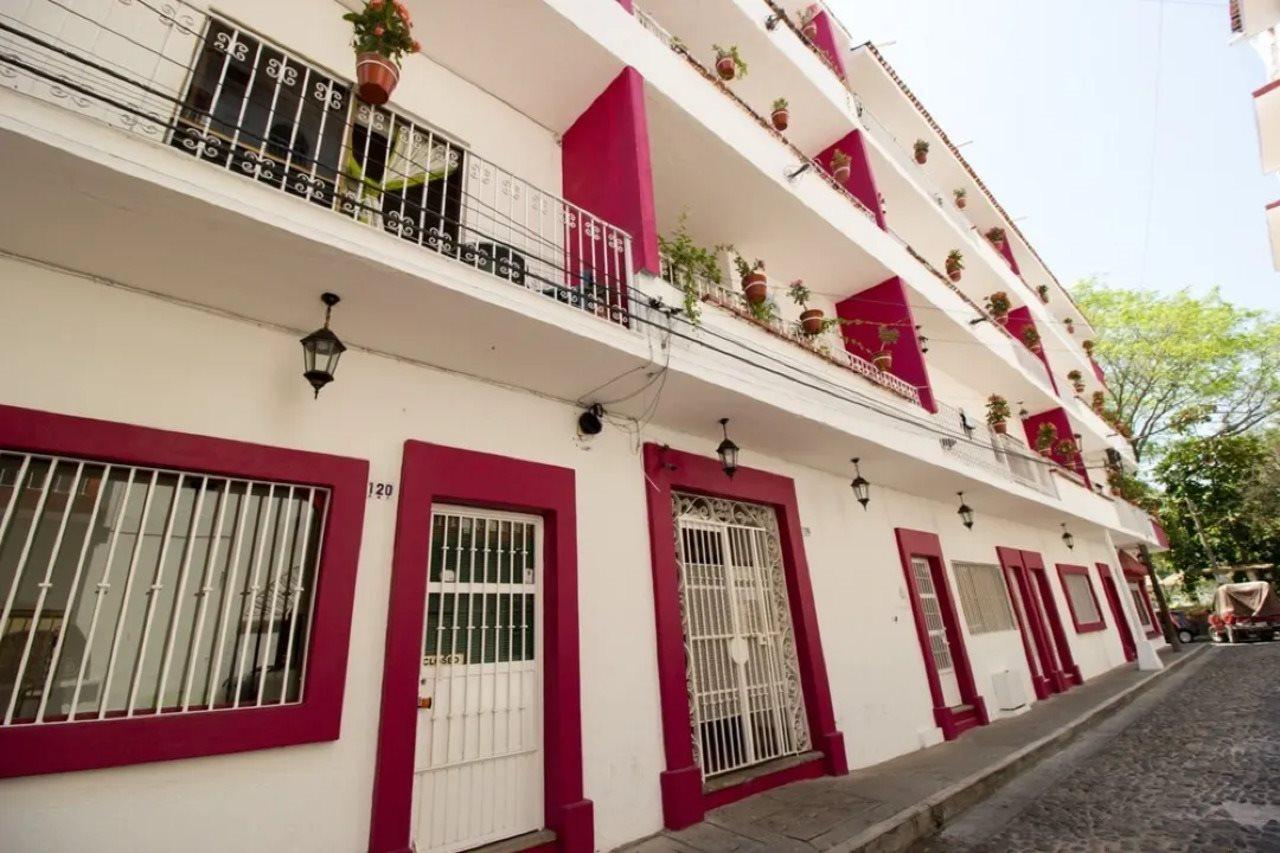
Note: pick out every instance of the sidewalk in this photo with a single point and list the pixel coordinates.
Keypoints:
(889, 806)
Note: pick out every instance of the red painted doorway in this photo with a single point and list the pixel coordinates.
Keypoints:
(1117, 612)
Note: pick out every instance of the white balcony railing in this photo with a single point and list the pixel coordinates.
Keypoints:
(1134, 519)
(211, 89)
(982, 447)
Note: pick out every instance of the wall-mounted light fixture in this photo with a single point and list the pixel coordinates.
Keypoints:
(727, 451)
(861, 488)
(1068, 538)
(591, 422)
(321, 349)
(965, 512)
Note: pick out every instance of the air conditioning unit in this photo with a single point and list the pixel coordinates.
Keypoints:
(1009, 693)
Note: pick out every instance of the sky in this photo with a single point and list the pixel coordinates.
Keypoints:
(1065, 102)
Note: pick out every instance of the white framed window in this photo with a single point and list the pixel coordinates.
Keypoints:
(983, 597)
(1140, 604)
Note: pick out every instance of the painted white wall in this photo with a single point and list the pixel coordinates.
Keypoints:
(235, 379)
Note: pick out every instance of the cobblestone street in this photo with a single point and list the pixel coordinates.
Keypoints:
(1195, 767)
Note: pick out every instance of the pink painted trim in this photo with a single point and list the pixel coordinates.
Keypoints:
(1127, 644)
(825, 42)
(683, 800)
(116, 742)
(952, 720)
(886, 304)
(431, 474)
(1135, 571)
(1035, 564)
(723, 797)
(1258, 93)
(1065, 569)
(1046, 674)
(1275, 203)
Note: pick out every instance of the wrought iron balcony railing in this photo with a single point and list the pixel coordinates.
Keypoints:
(174, 74)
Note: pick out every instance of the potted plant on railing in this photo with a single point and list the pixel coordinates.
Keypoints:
(687, 262)
(1067, 451)
(1031, 338)
(1046, 437)
(809, 22)
(728, 63)
(1115, 480)
(887, 336)
(1088, 347)
(755, 286)
(961, 197)
(1098, 402)
(998, 413)
(1042, 290)
(1070, 324)
(996, 236)
(921, 149)
(841, 166)
(998, 306)
(955, 264)
(382, 36)
(810, 318)
(781, 115)
(1076, 378)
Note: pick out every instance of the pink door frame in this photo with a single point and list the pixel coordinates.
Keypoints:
(1135, 571)
(1117, 612)
(684, 801)
(1066, 660)
(1047, 675)
(952, 720)
(431, 474)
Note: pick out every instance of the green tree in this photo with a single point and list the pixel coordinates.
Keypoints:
(1231, 485)
(1181, 364)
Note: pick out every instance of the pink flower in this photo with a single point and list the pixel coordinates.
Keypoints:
(417, 46)
(376, 4)
(379, 30)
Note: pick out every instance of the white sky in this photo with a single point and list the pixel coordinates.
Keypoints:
(1060, 98)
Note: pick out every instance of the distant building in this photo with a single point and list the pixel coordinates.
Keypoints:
(1254, 21)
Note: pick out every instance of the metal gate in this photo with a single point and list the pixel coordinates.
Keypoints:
(478, 764)
(745, 699)
(935, 624)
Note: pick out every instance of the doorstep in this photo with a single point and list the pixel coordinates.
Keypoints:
(889, 806)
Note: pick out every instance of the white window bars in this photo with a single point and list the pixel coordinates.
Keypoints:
(983, 597)
(130, 591)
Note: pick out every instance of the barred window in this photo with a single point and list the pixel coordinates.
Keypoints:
(983, 597)
(130, 590)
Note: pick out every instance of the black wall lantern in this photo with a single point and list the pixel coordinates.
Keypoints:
(590, 422)
(965, 512)
(861, 488)
(321, 349)
(1068, 538)
(727, 451)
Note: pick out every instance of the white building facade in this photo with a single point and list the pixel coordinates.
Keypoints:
(504, 577)
(1254, 22)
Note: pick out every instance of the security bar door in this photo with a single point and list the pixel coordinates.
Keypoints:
(744, 687)
(479, 765)
(939, 645)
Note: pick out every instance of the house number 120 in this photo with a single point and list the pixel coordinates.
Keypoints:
(381, 491)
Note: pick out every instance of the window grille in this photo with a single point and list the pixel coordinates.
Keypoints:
(1140, 604)
(984, 597)
(129, 591)
(1080, 591)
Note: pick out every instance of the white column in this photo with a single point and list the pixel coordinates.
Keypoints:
(1147, 657)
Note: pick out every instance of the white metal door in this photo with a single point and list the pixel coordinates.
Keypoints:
(934, 623)
(478, 764)
(745, 698)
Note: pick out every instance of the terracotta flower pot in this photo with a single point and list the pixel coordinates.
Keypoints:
(883, 360)
(781, 118)
(922, 157)
(1038, 349)
(998, 244)
(376, 78)
(1002, 319)
(810, 31)
(961, 201)
(726, 68)
(953, 273)
(755, 288)
(811, 321)
(1079, 386)
(1000, 427)
(841, 173)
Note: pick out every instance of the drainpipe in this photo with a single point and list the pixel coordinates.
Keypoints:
(1166, 622)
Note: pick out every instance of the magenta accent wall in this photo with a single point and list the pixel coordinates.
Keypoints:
(626, 4)
(1019, 319)
(886, 303)
(1097, 371)
(862, 181)
(607, 167)
(1007, 251)
(1058, 417)
(825, 41)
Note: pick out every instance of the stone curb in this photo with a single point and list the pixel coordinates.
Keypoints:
(908, 826)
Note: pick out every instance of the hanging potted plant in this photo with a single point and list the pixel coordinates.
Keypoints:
(728, 63)
(955, 263)
(781, 115)
(1067, 452)
(998, 306)
(687, 265)
(754, 283)
(1116, 481)
(1088, 347)
(888, 336)
(811, 322)
(1031, 338)
(998, 413)
(1046, 437)
(996, 236)
(382, 36)
(1042, 290)
(841, 166)
(1098, 402)
(1076, 378)
(809, 22)
(921, 149)
(960, 194)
